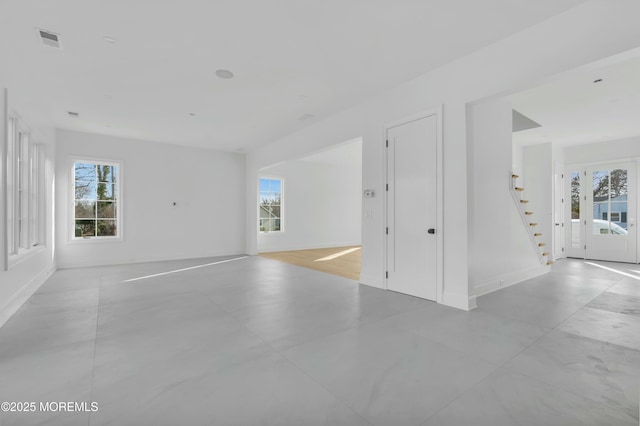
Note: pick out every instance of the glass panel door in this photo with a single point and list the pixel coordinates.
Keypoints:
(575, 231)
(610, 213)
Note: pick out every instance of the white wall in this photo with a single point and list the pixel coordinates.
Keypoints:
(518, 158)
(322, 206)
(538, 189)
(208, 187)
(597, 29)
(621, 149)
(500, 249)
(24, 278)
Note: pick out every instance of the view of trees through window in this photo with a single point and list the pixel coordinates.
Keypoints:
(96, 200)
(270, 205)
(575, 195)
(610, 197)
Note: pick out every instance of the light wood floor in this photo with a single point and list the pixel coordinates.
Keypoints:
(341, 261)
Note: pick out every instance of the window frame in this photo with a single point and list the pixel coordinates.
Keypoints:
(282, 213)
(72, 197)
(25, 196)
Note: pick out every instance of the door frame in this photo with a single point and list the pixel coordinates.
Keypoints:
(559, 215)
(437, 112)
(581, 168)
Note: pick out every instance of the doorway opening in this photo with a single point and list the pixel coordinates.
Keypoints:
(603, 212)
(310, 210)
(589, 130)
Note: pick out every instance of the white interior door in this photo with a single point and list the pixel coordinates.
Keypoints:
(610, 228)
(412, 240)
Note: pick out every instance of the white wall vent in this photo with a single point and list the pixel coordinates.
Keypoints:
(49, 38)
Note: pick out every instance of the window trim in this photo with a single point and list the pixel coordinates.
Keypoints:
(282, 213)
(71, 238)
(31, 207)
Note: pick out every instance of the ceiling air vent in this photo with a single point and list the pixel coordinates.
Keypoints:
(49, 38)
(73, 114)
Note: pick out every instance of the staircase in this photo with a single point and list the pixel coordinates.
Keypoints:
(527, 218)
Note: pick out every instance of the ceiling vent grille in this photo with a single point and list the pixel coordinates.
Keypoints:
(49, 38)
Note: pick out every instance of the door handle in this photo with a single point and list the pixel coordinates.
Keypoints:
(431, 231)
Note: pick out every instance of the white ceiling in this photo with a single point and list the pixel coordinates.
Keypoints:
(290, 58)
(573, 110)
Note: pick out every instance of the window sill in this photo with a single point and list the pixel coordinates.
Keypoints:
(100, 240)
(263, 233)
(24, 255)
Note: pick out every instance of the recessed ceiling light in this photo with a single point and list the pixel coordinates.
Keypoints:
(73, 114)
(599, 80)
(226, 74)
(109, 39)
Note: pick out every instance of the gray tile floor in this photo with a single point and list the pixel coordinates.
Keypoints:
(258, 342)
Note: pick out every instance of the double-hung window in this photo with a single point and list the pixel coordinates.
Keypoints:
(97, 202)
(270, 205)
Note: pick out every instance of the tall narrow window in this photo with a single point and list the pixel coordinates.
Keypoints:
(11, 186)
(25, 195)
(36, 196)
(22, 188)
(575, 209)
(97, 203)
(270, 205)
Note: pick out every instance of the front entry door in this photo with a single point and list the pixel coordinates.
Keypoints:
(610, 231)
(412, 249)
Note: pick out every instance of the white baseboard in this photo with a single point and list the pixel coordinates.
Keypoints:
(460, 301)
(506, 280)
(372, 281)
(473, 302)
(22, 295)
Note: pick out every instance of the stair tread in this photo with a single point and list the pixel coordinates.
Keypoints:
(517, 188)
(537, 234)
(515, 176)
(533, 224)
(524, 201)
(528, 213)
(550, 262)
(546, 253)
